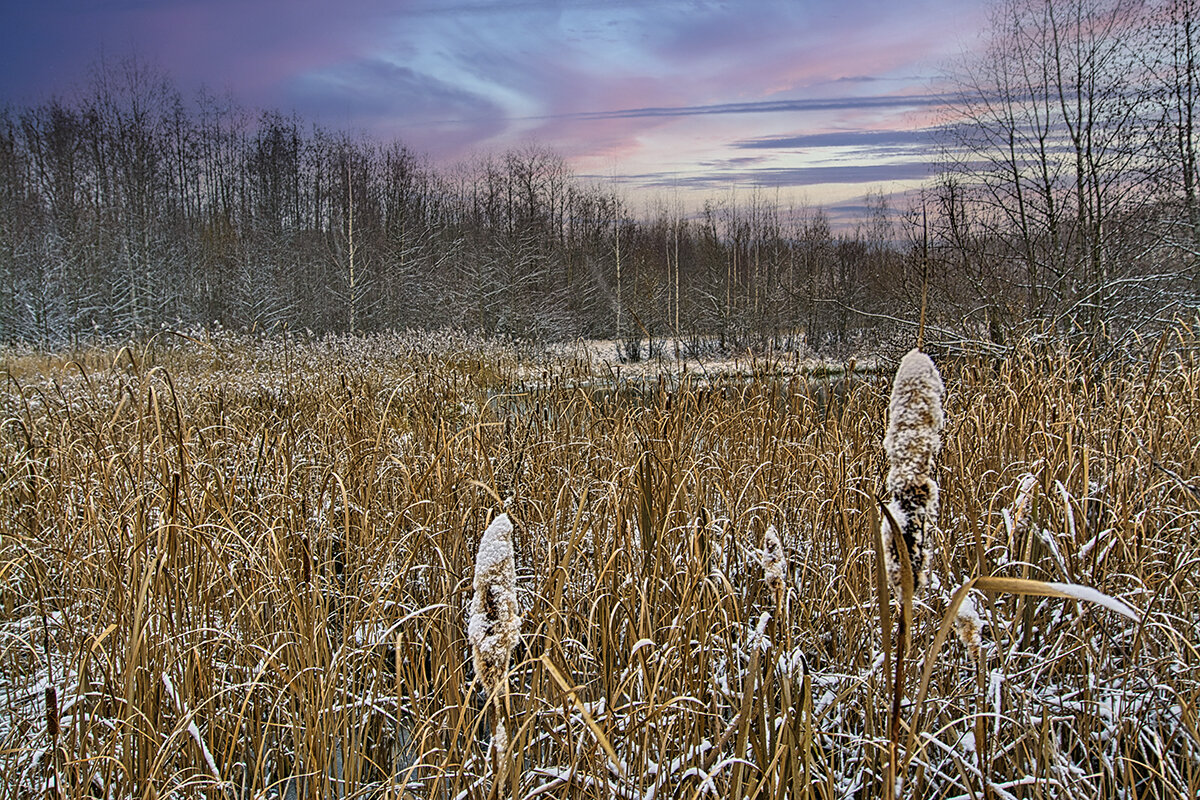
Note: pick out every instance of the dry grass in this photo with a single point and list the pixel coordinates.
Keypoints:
(245, 570)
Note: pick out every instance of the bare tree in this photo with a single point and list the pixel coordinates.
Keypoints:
(1044, 161)
(1171, 53)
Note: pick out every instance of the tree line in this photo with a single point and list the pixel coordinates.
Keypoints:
(129, 209)
(1064, 200)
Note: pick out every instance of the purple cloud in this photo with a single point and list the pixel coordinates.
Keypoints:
(785, 177)
(681, 87)
(765, 107)
(859, 138)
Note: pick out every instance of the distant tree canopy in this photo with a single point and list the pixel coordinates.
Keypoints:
(1065, 200)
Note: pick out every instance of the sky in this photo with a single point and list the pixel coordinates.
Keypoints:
(815, 101)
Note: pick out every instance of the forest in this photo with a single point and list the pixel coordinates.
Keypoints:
(1061, 198)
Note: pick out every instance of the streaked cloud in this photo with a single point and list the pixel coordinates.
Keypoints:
(825, 93)
(783, 177)
(855, 138)
(799, 105)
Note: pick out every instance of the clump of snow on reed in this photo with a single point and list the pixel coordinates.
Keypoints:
(912, 443)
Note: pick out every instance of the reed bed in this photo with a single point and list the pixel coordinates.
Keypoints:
(244, 569)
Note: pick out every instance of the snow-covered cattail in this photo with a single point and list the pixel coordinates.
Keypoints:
(969, 627)
(1024, 501)
(1019, 519)
(912, 443)
(773, 563)
(500, 750)
(495, 624)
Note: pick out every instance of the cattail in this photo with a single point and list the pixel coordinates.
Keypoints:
(773, 563)
(1024, 501)
(52, 713)
(495, 624)
(969, 626)
(1018, 521)
(500, 749)
(912, 443)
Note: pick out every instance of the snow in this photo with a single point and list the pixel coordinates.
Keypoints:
(495, 622)
(912, 442)
(192, 728)
(915, 411)
(495, 549)
(500, 748)
(1091, 595)
(915, 420)
(603, 354)
(1048, 538)
(759, 637)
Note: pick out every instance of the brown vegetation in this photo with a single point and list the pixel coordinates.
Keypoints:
(249, 564)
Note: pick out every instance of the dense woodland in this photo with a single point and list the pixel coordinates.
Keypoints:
(1064, 199)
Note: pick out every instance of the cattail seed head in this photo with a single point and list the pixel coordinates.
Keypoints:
(500, 748)
(774, 563)
(912, 443)
(52, 712)
(969, 627)
(1023, 506)
(495, 623)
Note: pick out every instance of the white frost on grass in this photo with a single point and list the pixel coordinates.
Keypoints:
(759, 639)
(1051, 541)
(1088, 594)
(500, 747)
(495, 624)
(1023, 505)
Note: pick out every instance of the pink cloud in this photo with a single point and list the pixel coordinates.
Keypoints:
(487, 75)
